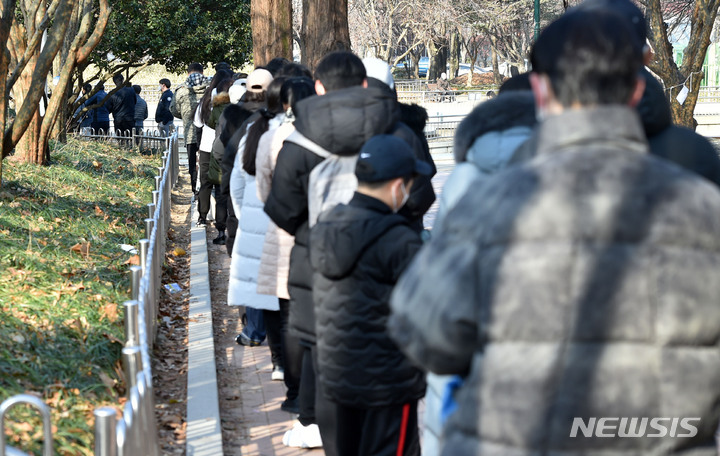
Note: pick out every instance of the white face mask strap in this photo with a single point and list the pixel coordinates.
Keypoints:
(394, 201)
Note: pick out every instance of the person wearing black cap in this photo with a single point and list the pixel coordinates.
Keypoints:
(358, 251)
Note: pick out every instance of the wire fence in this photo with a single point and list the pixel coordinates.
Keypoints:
(135, 433)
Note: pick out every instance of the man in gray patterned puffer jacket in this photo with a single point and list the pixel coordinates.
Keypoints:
(576, 293)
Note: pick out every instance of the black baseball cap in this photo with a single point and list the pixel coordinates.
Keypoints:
(386, 157)
(625, 8)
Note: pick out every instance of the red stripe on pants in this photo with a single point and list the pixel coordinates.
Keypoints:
(403, 429)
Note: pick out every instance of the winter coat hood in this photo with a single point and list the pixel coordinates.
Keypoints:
(352, 227)
(221, 99)
(512, 109)
(342, 121)
(414, 116)
(654, 108)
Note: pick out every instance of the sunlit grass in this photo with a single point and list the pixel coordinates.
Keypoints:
(63, 278)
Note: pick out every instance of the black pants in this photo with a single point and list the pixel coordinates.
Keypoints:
(221, 210)
(292, 352)
(384, 431)
(273, 332)
(231, 224)
(206, 187)
(101, 128)
(325, 412)
(125, 129)
(139, 130)
(192, 164)
(315, 408)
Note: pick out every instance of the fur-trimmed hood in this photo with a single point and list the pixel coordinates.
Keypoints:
(221, 99)
(508, 110)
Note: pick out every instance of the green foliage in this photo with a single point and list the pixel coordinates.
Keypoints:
(177, 33)
(63, 280)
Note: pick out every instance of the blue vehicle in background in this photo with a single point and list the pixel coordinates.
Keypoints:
(423, 66)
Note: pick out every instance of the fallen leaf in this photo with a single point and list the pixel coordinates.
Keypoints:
(97, 164)
(179, 251)
(109, 311)
(98, 211)
(82, 249)
(133, 260)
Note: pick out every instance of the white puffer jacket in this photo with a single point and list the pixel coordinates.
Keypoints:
(252, 225)
(275, 260)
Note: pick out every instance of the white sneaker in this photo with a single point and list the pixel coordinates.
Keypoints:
(278, 374)
(303, 436)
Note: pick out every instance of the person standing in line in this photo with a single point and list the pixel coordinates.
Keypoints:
(275, 259)
(100, 116)
(163, 116)
(122, 107)
(141, 113)
(580, 283)
(207, 137)
(358, 251)
(183, 106)
(344, 115)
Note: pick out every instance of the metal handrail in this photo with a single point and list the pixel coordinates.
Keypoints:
(44, 411)
(136, 432)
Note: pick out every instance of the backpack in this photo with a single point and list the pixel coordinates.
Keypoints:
(331, 182)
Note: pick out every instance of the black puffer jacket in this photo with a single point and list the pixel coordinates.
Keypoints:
(122, 105)
(339, 122)
(680, 145)
(243, 114)
(358, 252)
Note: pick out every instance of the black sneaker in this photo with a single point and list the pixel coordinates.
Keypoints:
(201, 221)
(220, 239)
(242, 339)
(290, 406)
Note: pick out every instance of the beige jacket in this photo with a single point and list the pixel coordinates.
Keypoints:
(275, 259)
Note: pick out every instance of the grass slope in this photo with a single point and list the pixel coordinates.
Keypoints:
(63, 279)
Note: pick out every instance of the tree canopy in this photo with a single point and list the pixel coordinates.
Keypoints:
(175, 34)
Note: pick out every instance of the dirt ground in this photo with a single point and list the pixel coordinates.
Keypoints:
(170, 354)
(170, 360)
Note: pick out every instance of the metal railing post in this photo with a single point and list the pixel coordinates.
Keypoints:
(136, 276)
(144, 248)
(105, 432)
(132, 322)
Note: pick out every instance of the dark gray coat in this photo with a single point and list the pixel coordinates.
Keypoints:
(582, 283)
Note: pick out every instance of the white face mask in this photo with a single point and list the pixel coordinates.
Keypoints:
(405, 197)
(160, 88)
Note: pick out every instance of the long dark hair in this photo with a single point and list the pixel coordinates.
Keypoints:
(295, 89)
(205, 108)
(260, 126)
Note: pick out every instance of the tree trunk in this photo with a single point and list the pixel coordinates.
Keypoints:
(438, 58)
(7, 12)
(495, 64)
(454, 54)
(690, 73)
(271, 22)
(325, 29)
